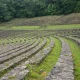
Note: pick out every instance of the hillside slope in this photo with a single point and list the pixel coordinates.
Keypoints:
(45, 20)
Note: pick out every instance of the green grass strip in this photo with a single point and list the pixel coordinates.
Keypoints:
(76, 58)
(44, 27)
(68, 26)
(39, 72)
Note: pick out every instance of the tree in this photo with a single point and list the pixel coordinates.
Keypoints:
(32, 8)
(51, 9)
(4, 13)
(77, 9)
(68, 6)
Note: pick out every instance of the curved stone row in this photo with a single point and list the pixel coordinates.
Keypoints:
(15, 49)
(75, 39)
(9, 47)
(20, 47)
(76, 36)
(42, 54)
(13, 61)
(14, 54)
(63, 70)
(20, 71)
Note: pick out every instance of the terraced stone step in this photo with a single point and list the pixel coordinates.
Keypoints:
(11, 56)
(63, 70)
(75, 39)
(19, 72)
(14, 46)
(42, 54)
(10, 47)
(76, 36)
(13, 50)
(15, 60)
(18, 58)
(26, 44)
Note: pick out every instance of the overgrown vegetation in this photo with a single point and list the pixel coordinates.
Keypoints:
(32, 8)
(39, 72)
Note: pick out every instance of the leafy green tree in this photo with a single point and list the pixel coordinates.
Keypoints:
(51, 9)
(4, 13)
(77, 9)
(32, 8)
(39, 9)
(68, 6)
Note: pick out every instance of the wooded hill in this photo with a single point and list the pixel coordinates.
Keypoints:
(10, 9)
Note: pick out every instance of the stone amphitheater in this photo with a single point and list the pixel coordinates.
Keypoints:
(18, 49)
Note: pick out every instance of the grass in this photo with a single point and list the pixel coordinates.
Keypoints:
(76, 58)
(54, 27)
(19, 28)
(69, 26)
(25, 27)
(39, 72)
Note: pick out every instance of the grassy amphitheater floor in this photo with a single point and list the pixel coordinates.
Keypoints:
(37, 53)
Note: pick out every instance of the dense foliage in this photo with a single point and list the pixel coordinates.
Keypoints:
(32, 8)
